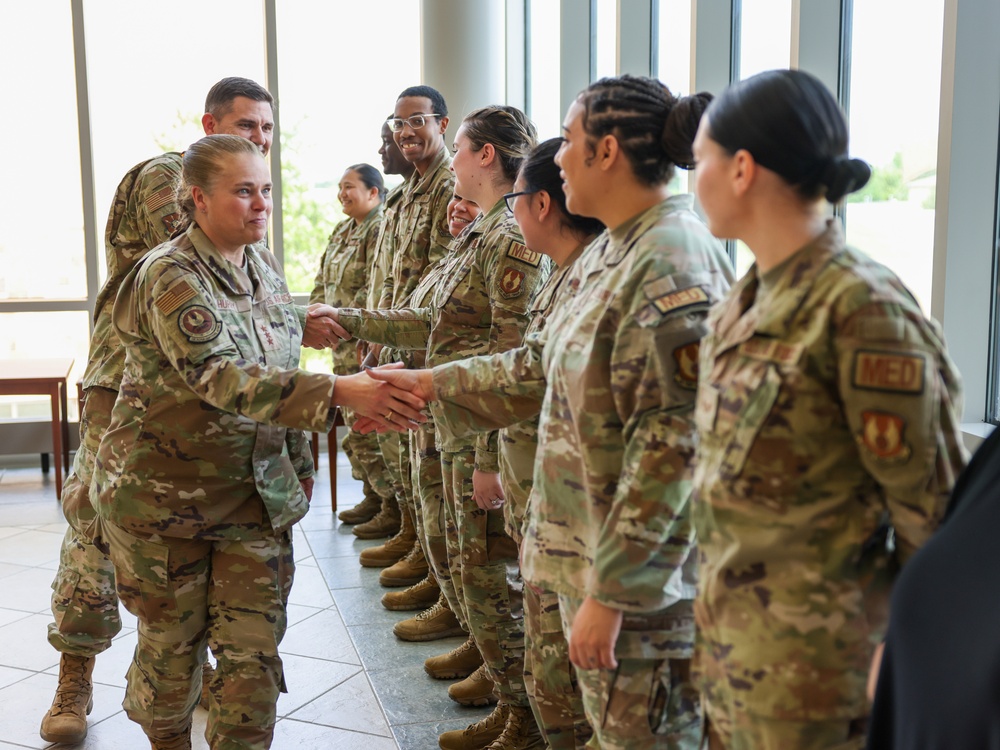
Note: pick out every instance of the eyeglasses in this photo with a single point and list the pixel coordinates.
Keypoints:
(508, 198)
(414, 121)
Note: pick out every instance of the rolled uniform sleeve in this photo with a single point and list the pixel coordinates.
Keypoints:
(173, 309)
(901, 394)
(648, 535)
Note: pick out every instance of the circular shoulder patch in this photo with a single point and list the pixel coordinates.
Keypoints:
(199, 324)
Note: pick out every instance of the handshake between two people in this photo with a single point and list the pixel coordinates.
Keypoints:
(387, 398)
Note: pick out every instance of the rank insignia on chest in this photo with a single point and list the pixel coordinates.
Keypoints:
(523, 254)
(512, 282)
(687, 365)
(266, 336)
(882, 436)
(199, 324)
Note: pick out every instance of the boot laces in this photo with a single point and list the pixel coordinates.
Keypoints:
(430, 614)
(73, 686)
(497, 716)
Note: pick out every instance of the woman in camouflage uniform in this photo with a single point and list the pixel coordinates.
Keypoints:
(614, 372)
(205, 467)
(828, 411)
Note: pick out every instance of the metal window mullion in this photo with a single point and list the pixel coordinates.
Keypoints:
(271, 53)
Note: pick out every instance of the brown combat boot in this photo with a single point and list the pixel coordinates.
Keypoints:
(479, 735)
(408, 571)
(363, 511)
(457, 663)
(474, 690)
(393, 550)
(418, 596)
(66, 720)
(430, 625)
(385, 523)
(207, 675)
(521, 731)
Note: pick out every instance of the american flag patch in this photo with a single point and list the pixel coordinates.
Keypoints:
(174, 297)
(160, 198)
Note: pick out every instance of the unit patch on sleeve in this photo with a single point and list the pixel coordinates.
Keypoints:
(681, 298)
(172, 222)
(882, 436)
(887, 371)
(174, 297)
(199, 324)
(687, 365)
(523, 254)
(512, 282)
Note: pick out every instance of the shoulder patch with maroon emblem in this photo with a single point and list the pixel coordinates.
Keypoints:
(199, 324)
(172, 222)
(882, 435)
(512, 282)
(687, 365)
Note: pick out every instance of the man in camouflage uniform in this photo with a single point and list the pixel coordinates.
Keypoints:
(418, 239)
(143, 214)
(365, 448)
(608, 523)
(828, 409)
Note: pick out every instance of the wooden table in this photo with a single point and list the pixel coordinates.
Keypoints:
(43, 377)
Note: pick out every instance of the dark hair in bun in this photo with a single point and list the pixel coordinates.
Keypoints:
(791, 124)
(654, 128)
(540, 172)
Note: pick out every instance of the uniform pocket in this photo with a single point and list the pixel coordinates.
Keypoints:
(749, 405)
(63, 589)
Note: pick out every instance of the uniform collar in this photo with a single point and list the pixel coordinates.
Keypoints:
(230, 277)
(441, 163)
(624, 236)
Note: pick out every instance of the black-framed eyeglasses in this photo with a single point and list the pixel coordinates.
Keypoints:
(508, 198)
(414, 121)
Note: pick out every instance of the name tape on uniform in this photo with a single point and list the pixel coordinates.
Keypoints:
(517, 251)
(886, 371)
(174, 297)
(681, 298)
(772, 350)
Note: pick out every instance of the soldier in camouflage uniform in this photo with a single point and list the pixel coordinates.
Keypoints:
(608, 524)
(479, 306)
(143, 214)
(205, 467)
(378, 486)
(342, 280)
(828, 410)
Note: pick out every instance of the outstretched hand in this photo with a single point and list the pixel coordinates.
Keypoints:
(418, 382)
(389, 407)
(322, 329)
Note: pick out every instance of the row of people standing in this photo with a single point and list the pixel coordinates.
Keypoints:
(825, 403)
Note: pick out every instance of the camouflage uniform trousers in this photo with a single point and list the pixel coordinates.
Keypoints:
(84, 602)
(186, 592)
(744, 731)
(649, 701)
(397, 463)
(549, 675)
(431, 518)
(487, 578)
(365, 456)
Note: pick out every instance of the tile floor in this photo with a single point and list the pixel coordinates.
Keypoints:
(351, 683)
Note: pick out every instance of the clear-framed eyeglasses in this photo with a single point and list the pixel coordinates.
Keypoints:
(414, 121)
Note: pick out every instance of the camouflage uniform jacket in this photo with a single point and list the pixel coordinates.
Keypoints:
(480, 306)
(143, 215)
(198, 445)
(381, 256)
(826, 403)
(615, 372)
(420, 235)
(342, 280)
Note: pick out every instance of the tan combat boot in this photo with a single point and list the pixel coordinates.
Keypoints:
(418, 596)
(521, 731)
(457, 663)
(408, 571)
(393, 550)
(363, 511)
(385, 523)
(474, 690)
(430, 625)
(66, 720)
(479, 735)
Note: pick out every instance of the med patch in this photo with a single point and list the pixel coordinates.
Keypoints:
(517, 251)
(888, 372)
(679, 299)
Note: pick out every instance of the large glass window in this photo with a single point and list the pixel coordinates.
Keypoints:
(605, 16)
(765, 35)
(543, 68)
(342, 66)
(140, 110)
(895, 128)
(41, 206)
(673, 59)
